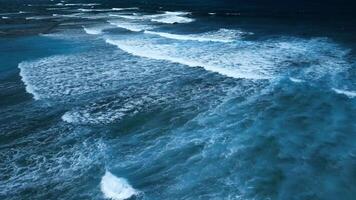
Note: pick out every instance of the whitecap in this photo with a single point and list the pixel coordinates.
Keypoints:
(242, 59)
(40, 17)
(350, 94)
(296, 80)
(93, 30)
(126, 16)
(135, 27)
(82, 4)
(166, 17)
(172, 19)
(222, 35)
(116, 188)
(120, 9)
(94, 10)
(165, 52)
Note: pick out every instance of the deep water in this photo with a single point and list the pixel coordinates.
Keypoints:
(106, 101)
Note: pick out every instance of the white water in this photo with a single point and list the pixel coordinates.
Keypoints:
(116, 188)
(350, 94)
(93, 30)
(242, 58)
(29, 88)
(119, 9)
(162, 52)
(166, 17)
(222, 35)
(130, 25)
(296, 80)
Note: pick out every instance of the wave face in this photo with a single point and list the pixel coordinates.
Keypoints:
(116, 188)
(135, 102)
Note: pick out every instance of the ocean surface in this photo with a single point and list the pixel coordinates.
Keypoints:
(103, 102)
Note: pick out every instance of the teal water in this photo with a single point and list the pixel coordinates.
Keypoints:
(102, 103)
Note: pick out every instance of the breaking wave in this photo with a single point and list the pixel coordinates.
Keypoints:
(222, 35)
(350, 94)
(116, 188)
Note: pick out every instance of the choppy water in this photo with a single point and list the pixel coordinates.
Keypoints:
(120, 103)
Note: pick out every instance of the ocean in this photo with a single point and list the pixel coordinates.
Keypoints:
(115, 101)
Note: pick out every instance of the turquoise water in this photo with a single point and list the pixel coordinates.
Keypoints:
(129, 103)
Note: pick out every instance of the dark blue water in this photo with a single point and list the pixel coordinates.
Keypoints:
(101, 102)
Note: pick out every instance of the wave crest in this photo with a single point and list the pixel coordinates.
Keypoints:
(116, 188)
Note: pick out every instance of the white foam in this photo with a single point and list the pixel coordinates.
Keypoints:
(67, 117)
(67, 75)
(64, 77)
(4, 17)
(93, 30)
(116, 188)
(56, 8)
(350, 94)
(125, 16)
(222, 35)
(85, 116)
(94, 10)
(113, 110)
(135, 27)
(82, 4)
(296, 80)
(165, 52)
(40, 17)
(266, 59)
(119, 9)
(166, 17)
(28, 87)
(173, 19)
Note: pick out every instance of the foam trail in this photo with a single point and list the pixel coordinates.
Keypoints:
(116, 188)
(350, 94)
